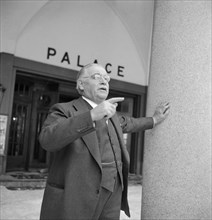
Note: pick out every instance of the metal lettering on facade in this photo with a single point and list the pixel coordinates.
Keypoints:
(51, 52)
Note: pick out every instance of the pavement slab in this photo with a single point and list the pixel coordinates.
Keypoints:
(25, 204)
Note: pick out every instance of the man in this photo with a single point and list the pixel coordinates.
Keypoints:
(88, 176)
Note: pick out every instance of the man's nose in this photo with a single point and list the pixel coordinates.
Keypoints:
(103, 80)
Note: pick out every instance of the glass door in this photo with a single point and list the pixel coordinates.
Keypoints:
(33, 98)
(20, 122)
(41, 102)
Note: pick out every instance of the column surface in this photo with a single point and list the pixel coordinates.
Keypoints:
(177, 154)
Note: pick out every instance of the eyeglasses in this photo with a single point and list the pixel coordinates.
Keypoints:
(97, 76)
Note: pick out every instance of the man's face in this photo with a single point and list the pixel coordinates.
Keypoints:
(95, 84)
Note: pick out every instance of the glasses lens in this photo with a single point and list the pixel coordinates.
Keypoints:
(99, 77)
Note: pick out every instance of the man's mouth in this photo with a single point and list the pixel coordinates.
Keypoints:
(103, 89)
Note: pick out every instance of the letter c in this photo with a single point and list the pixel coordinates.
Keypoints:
(106, 67)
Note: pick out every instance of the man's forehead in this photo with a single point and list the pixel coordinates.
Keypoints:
(96, 69)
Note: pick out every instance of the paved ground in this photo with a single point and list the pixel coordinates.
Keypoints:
(25, 204)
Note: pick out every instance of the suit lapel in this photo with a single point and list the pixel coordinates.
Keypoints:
(90, 139)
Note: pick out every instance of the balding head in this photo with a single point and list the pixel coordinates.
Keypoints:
(93, 82)
(83, 72)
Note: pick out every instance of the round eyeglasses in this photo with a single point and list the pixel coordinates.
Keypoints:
(98, 76)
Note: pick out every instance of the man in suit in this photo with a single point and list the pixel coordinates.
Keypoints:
(88, 176)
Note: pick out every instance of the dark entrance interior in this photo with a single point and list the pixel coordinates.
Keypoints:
(32, 99)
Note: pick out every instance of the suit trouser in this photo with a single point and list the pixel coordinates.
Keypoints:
(109, 204)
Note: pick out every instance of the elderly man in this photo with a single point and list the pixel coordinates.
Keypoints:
(88, 176)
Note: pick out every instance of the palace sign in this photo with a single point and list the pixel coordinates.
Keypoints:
(65, 58)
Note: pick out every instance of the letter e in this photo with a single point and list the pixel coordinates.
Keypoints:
(120, 70)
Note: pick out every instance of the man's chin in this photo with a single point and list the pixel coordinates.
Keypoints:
(102, 97)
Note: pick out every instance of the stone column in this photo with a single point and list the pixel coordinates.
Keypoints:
(177, 154)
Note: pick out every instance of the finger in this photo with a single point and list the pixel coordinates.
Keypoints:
(164, 104)
(114, 100)
(166, 109)
(167, 104)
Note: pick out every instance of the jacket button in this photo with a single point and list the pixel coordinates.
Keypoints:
(97, 191)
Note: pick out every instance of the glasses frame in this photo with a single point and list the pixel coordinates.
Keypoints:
(98, 76)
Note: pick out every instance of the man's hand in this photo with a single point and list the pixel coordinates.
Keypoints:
(106, 109)
(161, 112)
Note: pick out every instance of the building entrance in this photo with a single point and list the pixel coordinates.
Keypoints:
(30, 106)
(32, 100)
(33, 96)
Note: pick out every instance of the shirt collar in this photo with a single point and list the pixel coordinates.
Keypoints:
(93, 104)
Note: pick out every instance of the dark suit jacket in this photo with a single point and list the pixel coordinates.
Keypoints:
(74, 179)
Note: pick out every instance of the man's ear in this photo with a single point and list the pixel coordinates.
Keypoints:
(80, 85)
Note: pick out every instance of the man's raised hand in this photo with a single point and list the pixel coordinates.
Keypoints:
(161, 112)
(106, 109)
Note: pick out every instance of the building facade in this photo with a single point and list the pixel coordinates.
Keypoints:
(154, 51)
(44, 44)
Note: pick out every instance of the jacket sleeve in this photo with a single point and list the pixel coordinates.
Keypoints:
(130, 124)
(60, 128)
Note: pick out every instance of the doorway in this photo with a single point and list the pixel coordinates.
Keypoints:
(32, 99)
(33, 96)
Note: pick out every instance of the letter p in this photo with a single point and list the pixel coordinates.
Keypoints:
(51, 52)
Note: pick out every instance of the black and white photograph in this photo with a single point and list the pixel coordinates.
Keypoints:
(105, 110)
